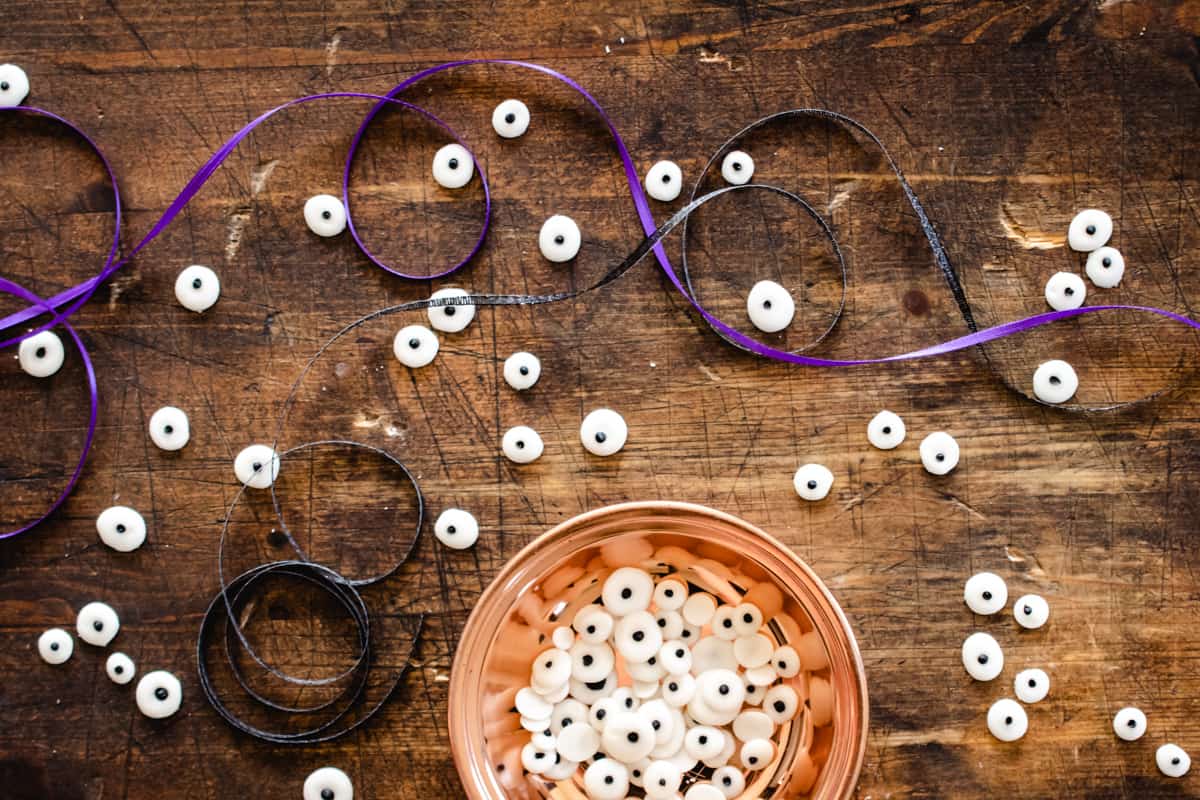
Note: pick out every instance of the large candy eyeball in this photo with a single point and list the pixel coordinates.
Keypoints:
(1031, 685)
(1031, 611)
(1089, 230)
(550, 670)
(121, 528)
(559, 239)
(737, 168)
(328, 783)
(415, 346)
(982, 657)
(257, 466)
(456, 528)
(158, 694)
(1172, 761)
(1129, 724)
(325, 215)
(522, 370)
(939, 453)
(453, 318)
(626, 591)
(521, 444)
(97, 623)
(197, 288)
(628, 736)
(985, 593)
(886, 431)
(607, 779)
(757, 753)
(730, 781)
(770, 306)
(14, 85)
(1007, 720)
(1065, 290)
(511, 119)
(721, 690)
(813, 481)
(664, 181)
(637, 637)
(593, 624)
(169, 429)
(1105, 267)
(662, 779)
(590, 663)
(453, 166)
(603, 432)
(55, 646)
(1055, 382)
(120, 668)
(41, 355)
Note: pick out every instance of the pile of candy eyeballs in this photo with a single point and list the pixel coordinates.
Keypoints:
(158, 694)
(708, 686)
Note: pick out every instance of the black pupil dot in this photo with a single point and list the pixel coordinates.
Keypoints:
(168, 429)
(812, 484)
(737, 166)
(601, 436)
(887, 429)
(591, 628)
(3, 86)
(1175, 760)
(520, 445)
(638, 636)
(728, 623)
(98, 625)
(626, 593)
(326, 215)
(662, 623)
(608, 778)
(1027, 610)
(703, 740)
(780, 706)
(748, 618)
(1008, 720)
(161, 693)
(674, 687)
(559, 239)
(632, 737)
(983, 659)
(524, 370)
(510, 118)
(1106, 262)
(941, 456)
(1068, 291)
(54, 646)
(1091, 230)
(656, 724)
(449, 311)
(120, 529)
(1055, 380)
(40, 352)
(668, 593)
(987, 595)
(256, 466)
(679, 653)
(1132, 723)
(549, 665)
(600, 714)
(118, 669)
(1033, 683)
(767, 304)
(453, 163)
(414, 343)
(327, 794)
(666, 178)
(197, 283)
(567, 722)
(587, 661)
(652, 661)
(723, 688)
(753, 759)
(728, 781)
(450, 529)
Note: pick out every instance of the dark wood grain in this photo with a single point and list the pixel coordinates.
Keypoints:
(1008, 117)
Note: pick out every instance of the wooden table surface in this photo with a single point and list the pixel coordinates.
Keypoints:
(1008, 117)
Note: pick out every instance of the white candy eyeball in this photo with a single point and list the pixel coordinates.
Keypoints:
(886, 431)
(325, 215)
(256, 466)
(588, 693)
(627, 590)
(751, 725)
(521, 444)
(531, 704)
(690, 633)
(670, 594)
(982, 657)
(757, 753)
(722, 623)
(678, 690)
(593, 624)
(522, 370)
(559, 239)
(1129, 724)
(699, 608)
(721, 690)
(606, 780)
(661, 720)
(450, 319)
(453, 166)
(813, 481)
(567, 713)
(159, 694)
(169, 429)
(511, 119)
(747, 619)
(603, 432)
(1172, 761)
(662, 779)
(985, 593)
(14, 85)
(1006, 720)
(628, 736)
(1031, 685)
(41, 355)
(737, 168)
(120, 668)
(675, 657)
(1105, 267)
(754, 692)
(1089, 230)
(415, 346)
(664, 181)
(753, 651)
(703, 742)
(590, 663)
(578, 742)
(781, 703)
(328, 783)
(703, 791)
(456, 528)
(55, 646)
(534, 759)
(121, 528)
(197, 288)
(939, 453)
(786, 661)
(1065, 290)
(770, 306)
(730, 781)
(1055, 382)
(550, 670)
(1031, 611)
(97, 623)
(637, 637)
(543, 740)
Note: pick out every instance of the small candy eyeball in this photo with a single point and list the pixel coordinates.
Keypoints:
(675, 657)
(120, 668)
(747, 619)
(521, 444)
(97, 623)
(603, 432)
(577, 742)
(325, 215)
(453, 166)
(1006, 720)
(590, 663)
(415, 346)
(328, 783)
(543, 740)
(55, 646)
(662, 719)
(607, 779)
(781, 703)
(982, 657)
(1031, 611)
(1172, 761)
(550, 670)
(662, 779)
(670, 623)
(1105, 267)
(511, 119)
(593, 624)
(1129, 724)
(522, 370)
(886, 431)
(703, 741)
(197, 288)
(41, 355)
(450, 319)
(559, 239)
(939, 453)
(757, 753)
(813, 482)
(626, 591)
(670, 594)
(985, 593)
(737, 168)
(754, 692)
(637, 637)
(786, 661)
(1089, 230)
(1065, 290)
(14, 85)
(121, 528)
(159, 694)
(678, 690)
(1031, 685)
(628, 736)
(1055, 382)
(664, 181)
(722, 623)
(456, 528)
(722, 690)
(770, 306)
(730, 781)
(169, 429)
(256, 466)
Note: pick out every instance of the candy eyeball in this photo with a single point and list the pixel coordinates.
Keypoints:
(97, 624)
(577, 742)
(256, 466)
(1105, 267)
(1172, 761)
(747, 619)
(325, 215)
(813, 482)
(453, 166)
(664, 181)
(637, 637)
(699, 608)
(678, 690)
(662, 779)
(559, 239)
(982, 657)
(120, 668)
(456, 528)
(703, 741)
(55, 646)
(1089, 230)
(757, 753)
(786, 661)
(522, 370)
(590, 663)
(522, 444)
(1129, 724)
(169, 429)
(1065, 290)
(626, 591)
(607, 779)
(197, 288)
(328, 783)
(450, 318)
(729, 781)
(603, 432)
(1055, 382)
(415, 346)
(722, 623)
(781, 703)
(628, 736)
(939, 453)
(1031, 685)
(14, 85)
(770, 306)
(670, 594)
(593, 624)
(721, 690)
(159, 694)
(886, 431)
(1006, 720)
(1031, 611)
(121, 528)
(511, 119)
(985, 593)
(737, 168)
(41, 355)
(551, 670)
